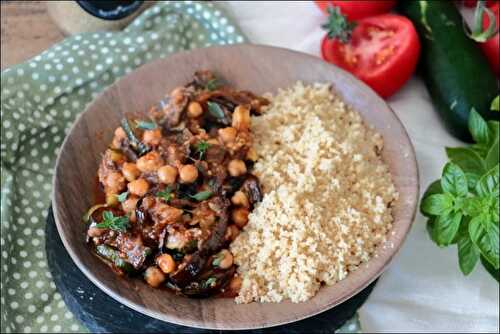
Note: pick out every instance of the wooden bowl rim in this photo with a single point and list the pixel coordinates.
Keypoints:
(362, 281)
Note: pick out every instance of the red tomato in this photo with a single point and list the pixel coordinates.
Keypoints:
(358, 9)
(491, 47)
(383, 52)
(473, 3)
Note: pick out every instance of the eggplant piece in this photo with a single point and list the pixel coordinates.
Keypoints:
(133, 247)
(251, 188)
(209, 283)
(194, 263)
(138, 147)
(215, 154)
(233, 184)
(188, 270)
(218, 114)
(113, 256)
(169, 110)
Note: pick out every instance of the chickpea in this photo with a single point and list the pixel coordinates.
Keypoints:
(232, 232)
(241, 118)
(116, 157)
(166, 263)
(235, 284)
(228, 135)
(130, 171)
(138, 187)
(152, 137)
(130, 204)
(154, 276)
(188, 173)
(239, 198)
(236, 167)
(95, 232)
(111, 199)
(224, 259)
(167, 174)
(251, 154)
(194, 109)
(240, 217)
(132, 217)
(118, 137)
(148, 202)
(150, 162)
(114, 182)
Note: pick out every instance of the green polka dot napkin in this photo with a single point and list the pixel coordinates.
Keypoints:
(39, 101)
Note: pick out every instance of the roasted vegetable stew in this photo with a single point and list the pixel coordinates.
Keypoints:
(178, 188)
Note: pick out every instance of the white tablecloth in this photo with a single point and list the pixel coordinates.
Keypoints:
(423, 289)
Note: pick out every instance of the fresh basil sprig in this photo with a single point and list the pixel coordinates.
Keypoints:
(165, 194)
(117, 223)
(202, 195)
(463, 206)
(215, 110)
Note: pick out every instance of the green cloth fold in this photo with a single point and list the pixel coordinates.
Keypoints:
(39, 101)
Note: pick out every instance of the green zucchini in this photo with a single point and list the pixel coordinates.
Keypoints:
(113, 256)
(456, 72)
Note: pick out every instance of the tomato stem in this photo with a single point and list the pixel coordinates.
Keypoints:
(337, 26)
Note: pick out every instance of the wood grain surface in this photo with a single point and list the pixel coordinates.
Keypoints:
(257, 68)
(26, 30)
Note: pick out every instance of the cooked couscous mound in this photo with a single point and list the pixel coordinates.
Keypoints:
(327, 197)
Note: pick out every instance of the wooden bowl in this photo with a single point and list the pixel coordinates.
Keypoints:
(257, 68)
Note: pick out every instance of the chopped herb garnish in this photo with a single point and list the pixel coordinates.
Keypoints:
(119, 223)
(215, 109)
(202, 195)
(217, 260)
(201, 148)
(213, 84)
(210, 282)
(165, 194)
(146, 125)
(122, 197)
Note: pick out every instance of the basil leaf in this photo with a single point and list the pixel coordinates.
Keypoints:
(107, 215)
(432, 189)
(119, 223)
(484, 234)
(468, 254)
(165, 194)
(473, 206)
(472, 179)
(146, 125)
(490, 269)
(202, 195)
(488, 183)
(495, 104)
(446, 227)
(437, 204)
(478, 127)
(215, 109)
(431, 230)
(122, 197)
(454, 181)
(493, 156)
(467, 159)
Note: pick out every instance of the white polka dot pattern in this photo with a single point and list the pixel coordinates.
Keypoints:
(39, 101)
